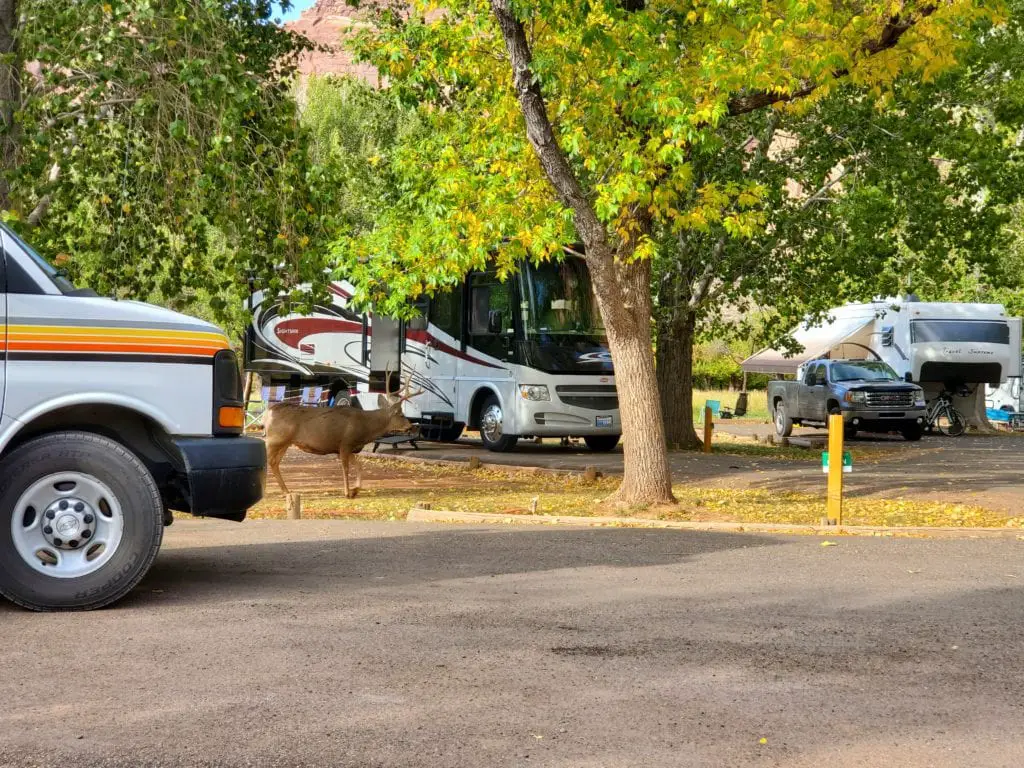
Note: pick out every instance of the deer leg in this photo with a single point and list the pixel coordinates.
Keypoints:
(359, 472)
(274, 455)
(345, 457)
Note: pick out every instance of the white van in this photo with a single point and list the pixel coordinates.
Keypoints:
(112, 414)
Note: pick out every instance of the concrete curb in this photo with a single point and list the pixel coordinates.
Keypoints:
(419, 515)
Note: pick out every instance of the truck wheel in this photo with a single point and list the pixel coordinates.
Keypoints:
(912, 433)
(783, 424)
(492, 427)
(601, 443)
(81, 521)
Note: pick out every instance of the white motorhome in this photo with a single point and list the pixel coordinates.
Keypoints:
(526, 357)
(938, 345)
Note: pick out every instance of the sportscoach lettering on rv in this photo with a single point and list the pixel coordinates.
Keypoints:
(99, 341)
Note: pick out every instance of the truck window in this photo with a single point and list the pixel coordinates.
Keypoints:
(819, 376)
(811, 377)
(978, 331)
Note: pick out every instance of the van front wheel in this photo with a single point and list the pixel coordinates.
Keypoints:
(81, 521)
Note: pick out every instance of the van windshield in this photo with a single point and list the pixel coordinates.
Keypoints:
(58, 278)
(867, 371)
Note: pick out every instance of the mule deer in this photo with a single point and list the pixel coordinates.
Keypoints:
(342, 430)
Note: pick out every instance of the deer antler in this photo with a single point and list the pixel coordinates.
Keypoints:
(404, 393)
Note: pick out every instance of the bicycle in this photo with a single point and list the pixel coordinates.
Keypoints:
(941, 415)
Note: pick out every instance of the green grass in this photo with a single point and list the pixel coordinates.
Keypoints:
(757, 403)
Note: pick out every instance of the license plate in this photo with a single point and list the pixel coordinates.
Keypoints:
(603, 421)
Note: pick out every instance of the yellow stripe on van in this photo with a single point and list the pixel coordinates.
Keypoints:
(23, 331)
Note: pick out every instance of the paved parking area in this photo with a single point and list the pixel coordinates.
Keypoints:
(333, 643)
(987, 470)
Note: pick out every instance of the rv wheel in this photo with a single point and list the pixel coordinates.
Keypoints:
(492, 427)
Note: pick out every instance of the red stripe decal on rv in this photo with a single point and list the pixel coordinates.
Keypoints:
(440, 346)
(292, 332)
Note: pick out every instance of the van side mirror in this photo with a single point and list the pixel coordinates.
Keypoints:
(494, 321)
(908, 377)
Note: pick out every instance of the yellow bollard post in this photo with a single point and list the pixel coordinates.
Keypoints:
(834, 506)
(708, 426)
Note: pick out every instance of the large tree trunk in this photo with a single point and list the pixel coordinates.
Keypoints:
(675, 379)
(10, 96)
(622, 286)
(623, 291)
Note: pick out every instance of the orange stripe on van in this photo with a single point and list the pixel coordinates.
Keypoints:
(98, 339)
(75, 341)
(152, 349)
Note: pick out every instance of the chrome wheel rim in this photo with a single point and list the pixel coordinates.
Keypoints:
(67, 525)
(780, 417)
(491, 423)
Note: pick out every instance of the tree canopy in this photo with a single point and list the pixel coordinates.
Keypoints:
(560, 121)
(155, 147)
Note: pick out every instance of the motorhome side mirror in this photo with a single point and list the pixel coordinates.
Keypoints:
(908, 377)
(494, 321)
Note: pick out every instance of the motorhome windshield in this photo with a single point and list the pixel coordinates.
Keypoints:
(868, 371)
(561, 300)
(978, 331)
(561, 322)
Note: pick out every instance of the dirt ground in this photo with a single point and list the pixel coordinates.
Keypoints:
(983, 475)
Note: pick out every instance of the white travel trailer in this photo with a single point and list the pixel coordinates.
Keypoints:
(938, 345)
(1006, 397)
(526, 357)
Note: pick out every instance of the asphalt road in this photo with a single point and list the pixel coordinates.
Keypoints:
(280, 643)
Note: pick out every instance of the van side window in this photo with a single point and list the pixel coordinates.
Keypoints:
(18, 280)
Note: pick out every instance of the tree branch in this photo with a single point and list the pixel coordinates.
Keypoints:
(824, 190)
(43, 206)
(891, 34)
(538, 126)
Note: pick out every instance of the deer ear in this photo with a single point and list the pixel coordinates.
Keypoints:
(382, 401)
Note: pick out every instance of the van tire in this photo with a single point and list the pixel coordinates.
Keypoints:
(134, 505)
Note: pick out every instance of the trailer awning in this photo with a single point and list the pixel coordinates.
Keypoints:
(816, 342)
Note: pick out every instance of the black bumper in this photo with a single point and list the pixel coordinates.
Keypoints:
(224, 476)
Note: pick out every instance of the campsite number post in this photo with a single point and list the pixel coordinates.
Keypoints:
(835, 462)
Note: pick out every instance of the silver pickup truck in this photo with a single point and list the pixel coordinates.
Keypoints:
(869, 394)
